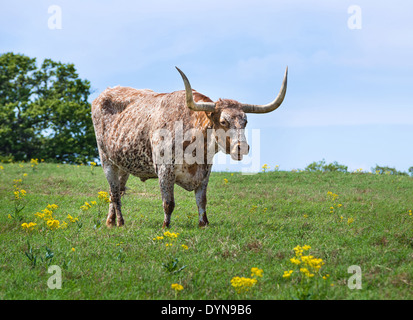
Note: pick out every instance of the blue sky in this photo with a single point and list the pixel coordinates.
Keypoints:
(350, 92)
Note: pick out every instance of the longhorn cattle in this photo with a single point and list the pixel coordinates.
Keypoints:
(136, 133)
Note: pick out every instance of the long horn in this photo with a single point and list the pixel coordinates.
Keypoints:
(202, 106)
(253, 108)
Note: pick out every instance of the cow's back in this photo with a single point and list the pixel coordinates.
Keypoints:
(122, 118)
(126, 118)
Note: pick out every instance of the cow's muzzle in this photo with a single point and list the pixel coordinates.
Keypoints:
(239, 150)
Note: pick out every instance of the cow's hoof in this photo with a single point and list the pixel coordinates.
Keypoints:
(110, 223)
(165, 225)
(203, 224)
(120, 222)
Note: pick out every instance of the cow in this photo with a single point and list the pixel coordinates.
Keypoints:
(128, 122)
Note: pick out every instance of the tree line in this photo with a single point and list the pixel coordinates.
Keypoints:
(44, 111)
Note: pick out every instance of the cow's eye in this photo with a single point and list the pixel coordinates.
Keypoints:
(223, 122)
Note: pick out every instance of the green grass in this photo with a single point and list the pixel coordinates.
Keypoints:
(126, 263)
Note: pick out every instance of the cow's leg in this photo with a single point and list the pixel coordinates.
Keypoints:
(123, 178)
(113, 175)
(110, 221)
(201, 201)
(166, 184)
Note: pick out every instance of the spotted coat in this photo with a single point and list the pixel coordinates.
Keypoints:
(125, 120)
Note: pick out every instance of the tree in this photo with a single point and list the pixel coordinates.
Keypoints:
(44, 111)
(322, 166)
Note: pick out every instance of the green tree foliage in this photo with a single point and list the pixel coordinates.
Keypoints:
(411, 171)
(44, 111)
(387, 170)
(322, 166)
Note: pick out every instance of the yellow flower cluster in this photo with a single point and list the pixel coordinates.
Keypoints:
(171, 235)
(225, 181)
(34, 162)
(287, 274)
(71, 219)
(19, 193)
(29, 226)
(170, 238)
(242, 284)
(333, 198)
(256, 272)
(86, 206)
(177, 287)
(265, 167)
(47, 215)
(410, 212)
(104, 196)
(309, 265)
(253, 208)
(333, 195)
(53, 224)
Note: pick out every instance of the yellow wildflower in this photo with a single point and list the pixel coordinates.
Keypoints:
(52, 206)
(29, 226)
(53, 224)
(171, 235)
(287, 274)
(104, 196)
(177, 287)
(298, 251)
(69, 217)
(256, 272)
(86, 206)
(39, 214)
(242, 284)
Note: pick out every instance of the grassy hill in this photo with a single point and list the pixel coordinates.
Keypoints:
(256, 221)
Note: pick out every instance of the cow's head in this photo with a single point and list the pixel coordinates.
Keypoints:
(229, 116)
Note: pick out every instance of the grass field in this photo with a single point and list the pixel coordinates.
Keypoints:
(256, 221)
